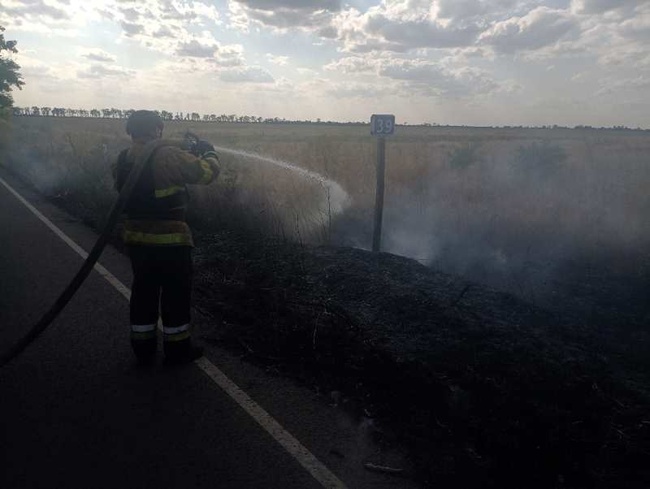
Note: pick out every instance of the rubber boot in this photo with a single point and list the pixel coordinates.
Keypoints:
(181, 352)
(145, 351)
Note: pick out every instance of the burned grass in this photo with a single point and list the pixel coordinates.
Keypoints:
(485, 389)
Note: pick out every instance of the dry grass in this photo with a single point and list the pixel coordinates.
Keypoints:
(445, 186)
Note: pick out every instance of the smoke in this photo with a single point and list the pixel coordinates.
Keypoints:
(535, 218)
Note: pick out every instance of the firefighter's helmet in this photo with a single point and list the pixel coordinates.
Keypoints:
(142, 124)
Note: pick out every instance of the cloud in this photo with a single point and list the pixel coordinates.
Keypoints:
(251, 74)
(283, 14)
(423, 33)
(452, 76)
(359, 90)
(600, 6)
(278, 60)
(539, 28)
(35, 8)
(416, 71)
(353, 64)
(132, 29)
(184, 29)
(453, 9)
(196, 49)
(100, 56)
(129, 13)
(616, 86)
(229, 55)
(405, 25)
(421, 76)
(637, 26)
(309, 5)
(196, 56)
(34, 69)
(102, 71)
(437, 79)
(327, 32)
(506, 26)
(161, 24)
(164, 31)
(169, 10)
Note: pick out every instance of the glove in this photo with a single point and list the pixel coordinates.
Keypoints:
(201, 147)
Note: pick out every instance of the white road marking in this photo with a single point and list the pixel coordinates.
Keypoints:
(308, 460)
(112, 279)
(297, 450)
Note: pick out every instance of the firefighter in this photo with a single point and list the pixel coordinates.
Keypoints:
(158, 239)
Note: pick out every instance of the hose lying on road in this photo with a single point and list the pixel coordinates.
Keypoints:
(93, 256)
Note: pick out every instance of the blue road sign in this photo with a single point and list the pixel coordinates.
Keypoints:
(382, 124)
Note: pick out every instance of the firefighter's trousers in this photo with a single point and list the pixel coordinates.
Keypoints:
(162, 287)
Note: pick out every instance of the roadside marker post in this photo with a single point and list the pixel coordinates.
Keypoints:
(381, 125)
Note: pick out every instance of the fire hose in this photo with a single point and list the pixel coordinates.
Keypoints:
(93, 256)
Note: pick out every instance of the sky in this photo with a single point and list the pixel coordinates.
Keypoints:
(451, 62)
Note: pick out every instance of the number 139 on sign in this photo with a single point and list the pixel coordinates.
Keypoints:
(382, 124)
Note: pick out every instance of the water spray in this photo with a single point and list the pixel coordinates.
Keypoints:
(337, 196)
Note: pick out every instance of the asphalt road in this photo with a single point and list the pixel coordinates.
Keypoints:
(76, 411)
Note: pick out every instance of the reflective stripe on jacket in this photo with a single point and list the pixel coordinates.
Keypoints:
(157, 232)
(156, 208)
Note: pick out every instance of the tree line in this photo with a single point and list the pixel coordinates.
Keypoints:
(113, 113)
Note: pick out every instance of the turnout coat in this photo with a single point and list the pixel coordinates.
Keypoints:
(157, 207)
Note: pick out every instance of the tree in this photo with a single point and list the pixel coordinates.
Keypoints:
(9, 75)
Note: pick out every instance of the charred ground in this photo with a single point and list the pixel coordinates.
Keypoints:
(485, 389)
